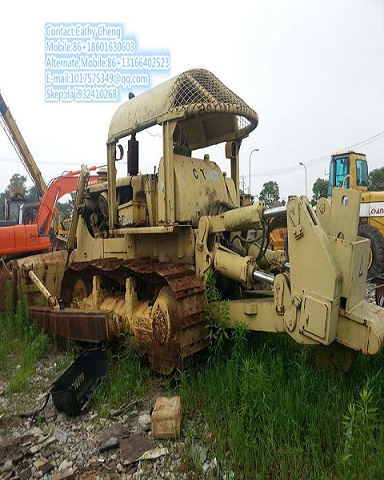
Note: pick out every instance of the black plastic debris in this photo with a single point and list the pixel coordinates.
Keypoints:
(72, 391)
(110, 444)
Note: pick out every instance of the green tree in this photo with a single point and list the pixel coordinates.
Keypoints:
(67, 207)
(376, 179)
(320, 190)
(17, 189)
(32, 196)
(270, 193)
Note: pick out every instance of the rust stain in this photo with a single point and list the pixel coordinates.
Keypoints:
(86, 325)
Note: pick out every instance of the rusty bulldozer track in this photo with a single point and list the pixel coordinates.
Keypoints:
(167, 319)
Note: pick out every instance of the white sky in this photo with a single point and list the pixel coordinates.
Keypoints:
(312, 69)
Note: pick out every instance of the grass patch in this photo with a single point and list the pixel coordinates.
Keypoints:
(127, 378)
(273, 416)
(22, 345)
(269, 414)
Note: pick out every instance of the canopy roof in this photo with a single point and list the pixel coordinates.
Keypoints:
(206, 111)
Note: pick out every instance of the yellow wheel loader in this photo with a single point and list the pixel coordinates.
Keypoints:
(350, 169)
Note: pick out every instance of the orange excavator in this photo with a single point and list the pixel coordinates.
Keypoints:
(21, 239)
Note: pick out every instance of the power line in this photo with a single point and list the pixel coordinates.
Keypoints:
(323, 158)
(378, 136)
(46, 162)
(362, 143)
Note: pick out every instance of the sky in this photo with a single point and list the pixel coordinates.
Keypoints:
(313, 70)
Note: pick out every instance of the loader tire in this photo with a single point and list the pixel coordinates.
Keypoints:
(376, 257)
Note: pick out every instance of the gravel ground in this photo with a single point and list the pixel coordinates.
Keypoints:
(52, 445)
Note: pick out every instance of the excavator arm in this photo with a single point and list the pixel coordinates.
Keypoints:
(57, 188)
(21, 240)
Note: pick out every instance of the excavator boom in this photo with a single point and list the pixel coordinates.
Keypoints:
(57, 188)
(13, 133)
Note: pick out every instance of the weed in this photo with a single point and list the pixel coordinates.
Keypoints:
(272, 415)
(239, 342)
(360, 425)
(22, 344)
(192, 452)
(217, 317)
(126, 377)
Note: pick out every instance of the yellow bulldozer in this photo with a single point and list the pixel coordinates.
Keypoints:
(141, 246)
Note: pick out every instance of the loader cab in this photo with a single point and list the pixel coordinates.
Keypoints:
(349, 169)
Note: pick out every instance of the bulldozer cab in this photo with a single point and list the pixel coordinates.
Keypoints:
(195, 110)
(348, 168)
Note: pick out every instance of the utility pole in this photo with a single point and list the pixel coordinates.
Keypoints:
(242, 183)
(249, 161)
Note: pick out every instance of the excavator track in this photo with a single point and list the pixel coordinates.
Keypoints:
(168, 321)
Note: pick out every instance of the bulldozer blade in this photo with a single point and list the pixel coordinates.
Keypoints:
(73, 324)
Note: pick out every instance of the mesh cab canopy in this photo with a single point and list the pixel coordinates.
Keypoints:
(207, 112)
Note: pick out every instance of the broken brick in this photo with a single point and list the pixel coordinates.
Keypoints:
(63, 476)
(25, 474)
(43, 465)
